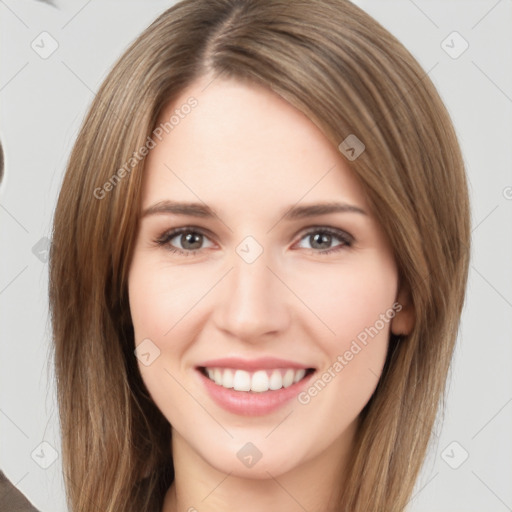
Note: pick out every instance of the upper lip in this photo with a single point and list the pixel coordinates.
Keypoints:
(262, 363)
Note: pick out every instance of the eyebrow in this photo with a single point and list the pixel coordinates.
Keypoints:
(290, 213)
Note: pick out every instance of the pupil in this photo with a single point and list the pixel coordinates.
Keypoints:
(319, 239)
(188, 240)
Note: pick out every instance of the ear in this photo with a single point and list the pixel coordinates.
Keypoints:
(403, 321)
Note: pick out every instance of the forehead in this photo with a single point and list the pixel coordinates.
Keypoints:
(244, 143)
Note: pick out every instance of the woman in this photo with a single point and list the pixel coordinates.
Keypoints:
(258, 266)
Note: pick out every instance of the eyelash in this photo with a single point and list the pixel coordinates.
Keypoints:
(164, 239)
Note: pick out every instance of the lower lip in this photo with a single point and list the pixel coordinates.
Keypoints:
(249, 403)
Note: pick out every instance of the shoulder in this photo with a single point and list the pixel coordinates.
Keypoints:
(11, 498)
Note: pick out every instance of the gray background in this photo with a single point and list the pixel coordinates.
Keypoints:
(43, 101)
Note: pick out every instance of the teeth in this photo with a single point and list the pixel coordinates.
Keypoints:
(299, 375)
(288, 378)
(276, 380)
(242, 381)
(228, 378)
(258, 382)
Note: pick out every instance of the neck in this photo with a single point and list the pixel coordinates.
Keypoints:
(315, 485)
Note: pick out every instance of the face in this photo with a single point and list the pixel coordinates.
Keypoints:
(262, 315)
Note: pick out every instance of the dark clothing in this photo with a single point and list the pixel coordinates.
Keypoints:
(11, 499)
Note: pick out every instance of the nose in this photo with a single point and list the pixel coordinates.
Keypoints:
(252, 303)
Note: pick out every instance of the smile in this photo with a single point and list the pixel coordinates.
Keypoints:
(258, 381)
(255, 386)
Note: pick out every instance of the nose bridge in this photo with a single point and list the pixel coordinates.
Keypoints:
(252, 304)
(251, 282)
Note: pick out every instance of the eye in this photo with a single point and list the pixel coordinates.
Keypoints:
(321, 239)
(189, 240)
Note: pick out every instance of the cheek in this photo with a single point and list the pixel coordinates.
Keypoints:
(160, 298)
(355, 307)
(159, 301)
(348, 298)
(166, 308)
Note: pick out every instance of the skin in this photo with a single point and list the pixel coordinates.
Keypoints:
(250, 155)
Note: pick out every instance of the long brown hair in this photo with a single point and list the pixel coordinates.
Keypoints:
(349, 75)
